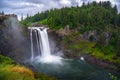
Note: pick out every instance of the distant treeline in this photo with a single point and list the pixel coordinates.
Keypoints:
(92, 15)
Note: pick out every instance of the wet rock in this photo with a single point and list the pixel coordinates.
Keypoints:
(106, 37)
(63, 31)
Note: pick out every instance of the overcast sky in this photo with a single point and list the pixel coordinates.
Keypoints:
(24, 7)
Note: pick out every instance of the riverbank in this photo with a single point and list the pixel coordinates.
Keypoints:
(109, 66)
(74, 47)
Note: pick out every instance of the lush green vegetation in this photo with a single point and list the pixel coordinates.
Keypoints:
(10, 71)
(78, 47)
(101, 17)
(113, 77)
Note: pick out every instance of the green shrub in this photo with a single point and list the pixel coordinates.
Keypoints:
(11, 72)
(5, 60)
(113, 77)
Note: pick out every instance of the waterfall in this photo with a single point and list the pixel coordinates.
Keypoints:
(31, 45)
(43, 47)
(38, 47)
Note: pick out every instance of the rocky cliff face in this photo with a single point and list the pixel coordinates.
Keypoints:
(103, 38)
(4, 48)
(63, 32)
(12, 40)
(92, 35)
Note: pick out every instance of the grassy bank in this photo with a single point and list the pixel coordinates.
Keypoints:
(78, 47)
(11, 71)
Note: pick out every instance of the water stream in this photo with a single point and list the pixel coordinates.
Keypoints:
(72, 70)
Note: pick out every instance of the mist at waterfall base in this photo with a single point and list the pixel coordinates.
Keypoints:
(61, 68)
(16, 43)
(42, 46)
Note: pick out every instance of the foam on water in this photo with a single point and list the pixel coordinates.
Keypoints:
(48, 59)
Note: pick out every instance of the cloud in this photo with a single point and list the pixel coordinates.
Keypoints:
(65, 2)
(31, 7)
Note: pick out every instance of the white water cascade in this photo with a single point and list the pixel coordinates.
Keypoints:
(43, 47)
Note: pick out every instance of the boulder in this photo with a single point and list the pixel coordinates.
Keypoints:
(63, 31)
(90, 35)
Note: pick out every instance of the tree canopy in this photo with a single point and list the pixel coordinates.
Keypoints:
(88, 15)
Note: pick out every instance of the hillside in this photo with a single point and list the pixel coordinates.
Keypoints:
(94, 30)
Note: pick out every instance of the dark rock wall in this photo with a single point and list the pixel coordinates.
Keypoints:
(14, 39)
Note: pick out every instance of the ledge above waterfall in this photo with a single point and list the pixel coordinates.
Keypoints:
(36, 28)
